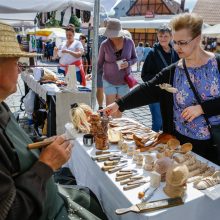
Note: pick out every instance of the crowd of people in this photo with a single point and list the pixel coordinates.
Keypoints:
(27, 187)
(184, 115)
(210, 44)
(117, 53)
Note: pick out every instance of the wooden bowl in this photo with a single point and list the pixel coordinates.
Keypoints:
(186, 147)
(173, 143)
(114, 136)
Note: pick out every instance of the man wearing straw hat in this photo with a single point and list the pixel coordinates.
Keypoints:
(27, 189)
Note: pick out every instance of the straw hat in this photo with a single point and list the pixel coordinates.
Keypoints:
(9, 46)
(113, 29)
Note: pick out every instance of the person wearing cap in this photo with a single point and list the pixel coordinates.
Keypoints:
(27, 189)
(70, 53)
(160, 56)
(184, 116)
(116, 56)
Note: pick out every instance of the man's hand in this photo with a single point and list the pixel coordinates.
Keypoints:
(192, 112)
(57, 153)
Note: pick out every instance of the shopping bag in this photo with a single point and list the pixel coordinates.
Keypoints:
(130, 80)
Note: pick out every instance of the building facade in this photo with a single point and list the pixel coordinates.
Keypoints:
(145, 16)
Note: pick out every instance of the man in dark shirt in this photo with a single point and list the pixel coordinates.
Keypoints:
(27, 189)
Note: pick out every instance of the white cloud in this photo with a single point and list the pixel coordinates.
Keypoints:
(188, 4)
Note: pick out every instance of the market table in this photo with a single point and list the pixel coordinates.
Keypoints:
(197, 205)
(58, 102)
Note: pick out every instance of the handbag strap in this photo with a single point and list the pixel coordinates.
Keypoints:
(163, 59)
(195, 93)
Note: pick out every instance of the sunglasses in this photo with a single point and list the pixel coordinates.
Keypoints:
(183, 43)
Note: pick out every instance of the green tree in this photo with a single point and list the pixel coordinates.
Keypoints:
(74, 20)
(52, 22)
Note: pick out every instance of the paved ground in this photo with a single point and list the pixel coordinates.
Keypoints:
(141, 115)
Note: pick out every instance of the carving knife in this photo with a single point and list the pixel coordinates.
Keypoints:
(149, 194)
(132, 179)
(123, 177)
(116, 169)
(122, 172)
(101, 152)
(114, 162)
(106, 168)
(133, 186)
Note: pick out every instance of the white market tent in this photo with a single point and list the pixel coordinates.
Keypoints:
(212, 31)
(144, 23)
(26, 11)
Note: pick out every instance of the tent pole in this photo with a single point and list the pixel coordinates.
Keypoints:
(96, 19)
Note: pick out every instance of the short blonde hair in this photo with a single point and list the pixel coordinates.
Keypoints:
(190, 21)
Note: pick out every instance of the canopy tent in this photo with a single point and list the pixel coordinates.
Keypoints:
(27, 6)
(141, 22)
(57, 34)
(212, 31)
(155, 24)
(47, 32)
(50, 33)
(25, 10)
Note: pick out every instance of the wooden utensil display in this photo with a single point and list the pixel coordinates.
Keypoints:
(151, 206)
(162, 139)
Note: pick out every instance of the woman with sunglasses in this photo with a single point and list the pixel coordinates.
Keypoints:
(183, 115)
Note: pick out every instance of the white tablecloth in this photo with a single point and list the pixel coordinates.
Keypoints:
(111, 195)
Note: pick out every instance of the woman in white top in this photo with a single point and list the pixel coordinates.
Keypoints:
(70, 52)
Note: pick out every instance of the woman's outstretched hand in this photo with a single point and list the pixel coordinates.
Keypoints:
(110, 109)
